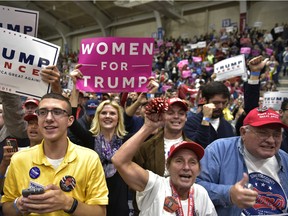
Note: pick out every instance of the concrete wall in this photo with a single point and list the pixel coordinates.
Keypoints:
(268, 13)
(139, 30)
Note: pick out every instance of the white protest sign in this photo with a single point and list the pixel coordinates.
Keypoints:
(278, 29)
(19, 20)
(274, 99)
(193, 46)
(229, 68)
(257, 24)
(230, 29)
(187, 48)
(21, 59)
(201, 44)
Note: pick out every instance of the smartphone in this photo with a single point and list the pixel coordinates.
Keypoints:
(32, 191)
(12, 142)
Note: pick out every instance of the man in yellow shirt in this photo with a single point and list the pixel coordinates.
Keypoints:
(71, 176)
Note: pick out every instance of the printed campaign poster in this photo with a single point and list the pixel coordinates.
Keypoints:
(19, 20)
(229, 68)
(115, 64)
(278, 29)
(21, 59)
(274, 99)
(200, 44)
(258, 24)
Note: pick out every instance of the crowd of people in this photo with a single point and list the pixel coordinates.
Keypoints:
(191, 145)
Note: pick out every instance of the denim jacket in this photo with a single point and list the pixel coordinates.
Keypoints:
(223, 165)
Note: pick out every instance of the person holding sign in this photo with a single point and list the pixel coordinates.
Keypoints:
(246, 175)
(105, 137)
(252, 88)
(156, 195)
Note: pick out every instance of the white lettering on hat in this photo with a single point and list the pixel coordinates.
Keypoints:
(268, 115)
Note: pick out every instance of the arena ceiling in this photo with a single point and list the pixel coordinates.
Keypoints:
(67, 18)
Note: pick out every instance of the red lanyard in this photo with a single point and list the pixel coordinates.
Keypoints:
(191, 207)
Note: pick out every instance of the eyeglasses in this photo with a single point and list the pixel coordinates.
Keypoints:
(57, 113)
(264, 135)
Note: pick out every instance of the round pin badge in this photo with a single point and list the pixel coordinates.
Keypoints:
(67, 183)
(34, 172)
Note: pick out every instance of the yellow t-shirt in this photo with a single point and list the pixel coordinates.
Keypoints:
(30, 166)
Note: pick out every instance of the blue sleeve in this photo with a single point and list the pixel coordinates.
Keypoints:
(210, 176)
(197, 132)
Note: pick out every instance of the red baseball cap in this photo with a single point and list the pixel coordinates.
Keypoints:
(263, 116)
(29, 117)
(181, 102)
(196, 148)
(31, 100)
(201, 101)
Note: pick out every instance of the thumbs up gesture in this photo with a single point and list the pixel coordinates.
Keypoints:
(241, 196)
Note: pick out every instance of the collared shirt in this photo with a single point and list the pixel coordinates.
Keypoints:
(31, 167)
(223, 165)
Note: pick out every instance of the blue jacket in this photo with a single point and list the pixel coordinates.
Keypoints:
(223, 165)
(284, 144)
(204, 135)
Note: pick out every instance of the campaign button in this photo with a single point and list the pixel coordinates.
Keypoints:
(34, 172)
(67, 183)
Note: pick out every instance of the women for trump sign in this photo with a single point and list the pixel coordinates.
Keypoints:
(115, 64)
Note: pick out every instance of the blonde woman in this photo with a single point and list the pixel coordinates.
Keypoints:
(105, 137)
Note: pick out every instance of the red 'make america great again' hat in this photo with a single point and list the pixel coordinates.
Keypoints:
(263, 116)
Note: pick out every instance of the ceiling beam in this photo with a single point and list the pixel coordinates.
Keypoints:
(202, 4)
(97, 15)
(132, 19)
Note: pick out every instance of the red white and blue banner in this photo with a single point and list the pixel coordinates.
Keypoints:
(229, 68)
(274, 99)
(21, 59)
(19, 20)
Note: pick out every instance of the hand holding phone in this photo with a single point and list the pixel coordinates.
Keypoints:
(32, 191)
(13, 143)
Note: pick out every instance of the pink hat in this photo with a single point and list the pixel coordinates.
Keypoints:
(196, 148)
(31, 100)
(262, 116)
(181, 102)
